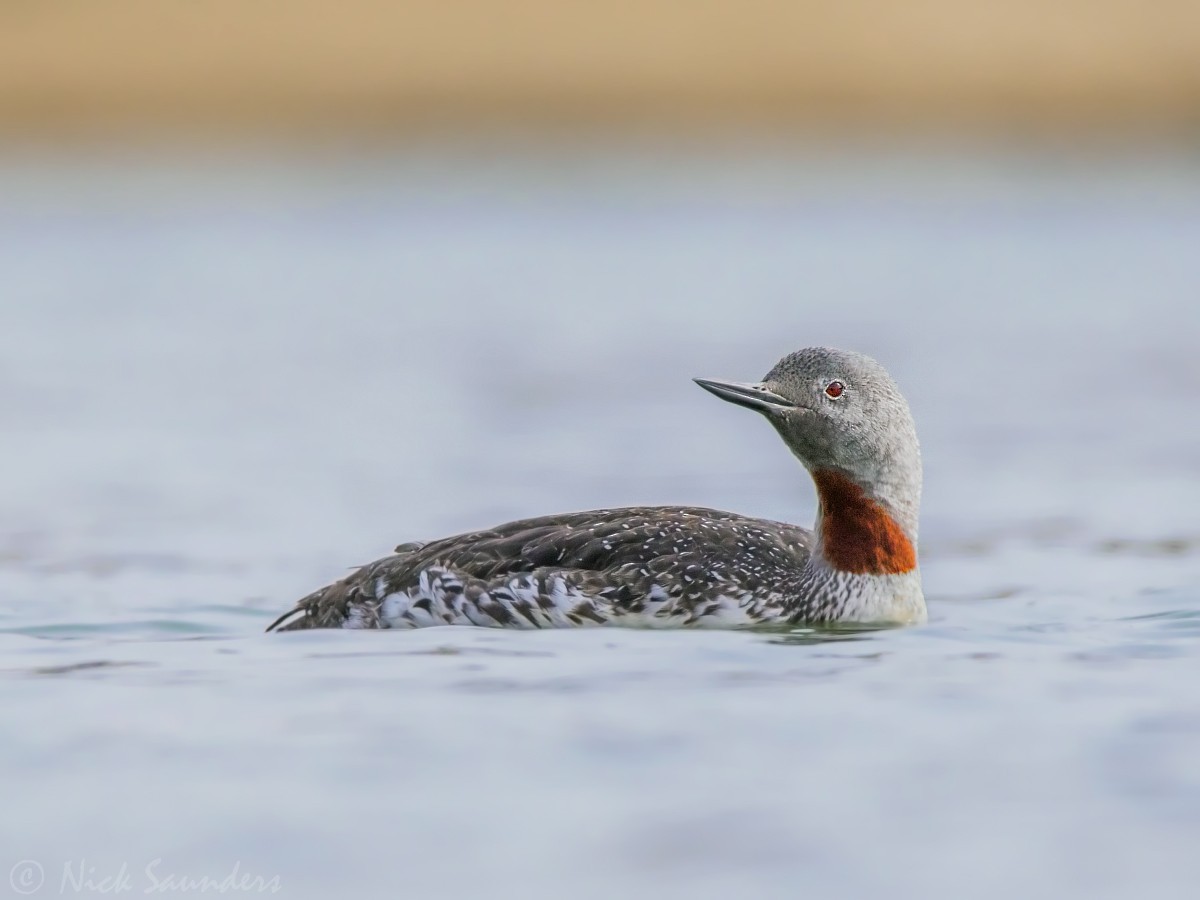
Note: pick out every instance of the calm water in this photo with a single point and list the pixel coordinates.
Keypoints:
(222, 383)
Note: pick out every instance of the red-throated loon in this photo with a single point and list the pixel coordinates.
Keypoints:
(838, 412)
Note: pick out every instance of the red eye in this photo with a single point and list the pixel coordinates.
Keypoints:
(834, 389)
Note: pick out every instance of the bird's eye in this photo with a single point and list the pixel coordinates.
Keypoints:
(834, 389)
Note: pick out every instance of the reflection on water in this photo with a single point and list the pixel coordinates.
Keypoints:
(223, 385)
(804, 637)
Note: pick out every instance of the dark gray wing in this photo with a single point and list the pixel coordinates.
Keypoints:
(619, 555)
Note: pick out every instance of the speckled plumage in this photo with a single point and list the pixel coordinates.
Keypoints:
(655, 565)
(675, 566)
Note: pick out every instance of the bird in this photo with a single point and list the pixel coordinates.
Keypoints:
(840, 414)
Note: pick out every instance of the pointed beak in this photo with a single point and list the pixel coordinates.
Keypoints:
(751, 396)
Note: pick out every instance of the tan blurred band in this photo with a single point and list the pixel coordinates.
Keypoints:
(265, 64)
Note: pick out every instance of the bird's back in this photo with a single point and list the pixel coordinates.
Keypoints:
(637, 566)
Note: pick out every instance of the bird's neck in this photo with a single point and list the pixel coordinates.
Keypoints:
(863, 566)
(860, 533)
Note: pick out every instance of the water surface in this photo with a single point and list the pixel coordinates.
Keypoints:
(224, 383)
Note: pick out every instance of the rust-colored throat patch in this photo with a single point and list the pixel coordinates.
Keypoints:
(858, 534)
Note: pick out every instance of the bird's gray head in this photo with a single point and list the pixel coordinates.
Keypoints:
(843, 416)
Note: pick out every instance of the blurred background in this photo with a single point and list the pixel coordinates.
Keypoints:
(285, 284)
(370, 69)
